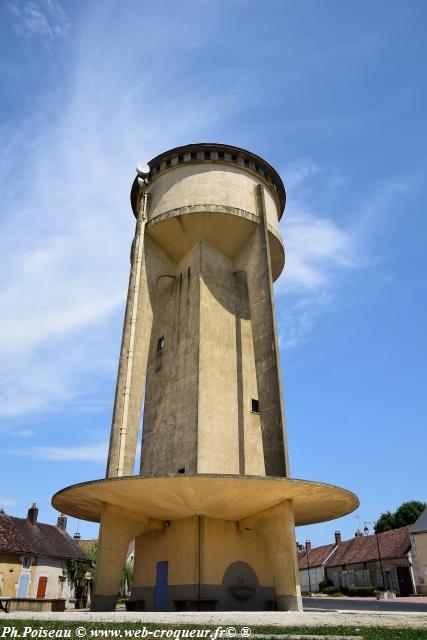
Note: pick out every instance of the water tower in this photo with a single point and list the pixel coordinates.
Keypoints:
(213, 507)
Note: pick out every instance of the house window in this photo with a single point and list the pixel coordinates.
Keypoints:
(26, 562)
(161, 343)
(181, 470)
(254, 405)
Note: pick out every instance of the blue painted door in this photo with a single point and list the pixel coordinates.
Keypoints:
(161, 593)
(23, 585)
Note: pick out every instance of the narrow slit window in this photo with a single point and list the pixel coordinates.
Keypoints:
(161, 343)
(254, 405)
(181, 470)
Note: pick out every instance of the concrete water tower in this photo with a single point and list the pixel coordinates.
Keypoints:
(213, 507)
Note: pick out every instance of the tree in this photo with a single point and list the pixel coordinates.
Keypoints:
(81, 572)
(126, 580)
(407, 513)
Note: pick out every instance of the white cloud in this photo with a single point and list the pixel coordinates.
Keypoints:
(90, 453)
(44, 18)
(315, 246)
(67, 224)
(7, 502)
(298, 171)
(319, 252)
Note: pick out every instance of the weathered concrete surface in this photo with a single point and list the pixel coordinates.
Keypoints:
(225, 497)
(276, 527)
(255, 261)
(118, 528)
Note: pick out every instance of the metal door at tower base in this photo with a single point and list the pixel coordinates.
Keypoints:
(161, 593)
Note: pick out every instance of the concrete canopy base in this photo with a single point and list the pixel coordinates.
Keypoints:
(226, 497)
(225, 542)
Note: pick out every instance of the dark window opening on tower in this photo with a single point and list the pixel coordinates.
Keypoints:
(254, 406)
(161, 343)
(181, 470)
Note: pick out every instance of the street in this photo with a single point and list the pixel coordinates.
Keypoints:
(366, 604)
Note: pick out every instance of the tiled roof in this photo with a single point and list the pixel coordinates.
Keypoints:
(420, 526)
(316, 556)
(19, 535)
(393, 544)
(11, 540)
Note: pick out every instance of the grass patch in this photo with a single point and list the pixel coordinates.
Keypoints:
(112, 630)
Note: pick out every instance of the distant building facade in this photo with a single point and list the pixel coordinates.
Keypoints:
(418, 533)
(356, 562)
(312, 563)
(33, 557)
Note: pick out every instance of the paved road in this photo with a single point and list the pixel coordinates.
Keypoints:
(334, 604)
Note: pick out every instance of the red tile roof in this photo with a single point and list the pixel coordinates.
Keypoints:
(19, 535)
(393, 544)
(316, 556)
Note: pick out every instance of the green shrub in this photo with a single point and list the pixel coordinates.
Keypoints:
(332, 591)
(364, 592)
(325, 583)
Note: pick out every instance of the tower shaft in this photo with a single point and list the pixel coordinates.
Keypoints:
(200, 330)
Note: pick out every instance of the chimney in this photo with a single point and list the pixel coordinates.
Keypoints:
(33, 513)
(337, 537)
(307, 545)
(62, 522)
(77, 536)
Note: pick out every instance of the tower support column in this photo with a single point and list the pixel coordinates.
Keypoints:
(277, 529)
(118, 528)
(255, 261)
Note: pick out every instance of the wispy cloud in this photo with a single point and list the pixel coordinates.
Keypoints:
(298, 171)
(316, 246)
(67, 226)
(7, 502)
(23, 433)
(319, 251)
(91, 453)
(44, 18)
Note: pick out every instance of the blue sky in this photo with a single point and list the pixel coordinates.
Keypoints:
(333, 95)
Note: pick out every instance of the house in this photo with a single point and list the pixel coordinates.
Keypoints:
(34, 555)
(418, 533)
(312, 562)
(356, 562)
(368, 560)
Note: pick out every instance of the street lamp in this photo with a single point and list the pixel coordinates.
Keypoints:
(366, 531)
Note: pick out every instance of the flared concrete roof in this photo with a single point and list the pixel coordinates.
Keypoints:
(226, 497)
